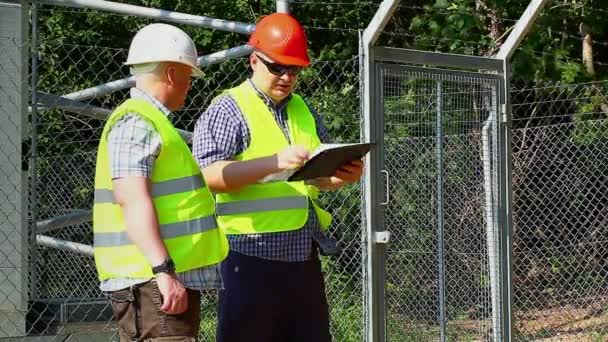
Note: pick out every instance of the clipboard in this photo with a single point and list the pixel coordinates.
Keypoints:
(329, 158)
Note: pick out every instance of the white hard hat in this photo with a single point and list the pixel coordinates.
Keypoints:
(163, 43)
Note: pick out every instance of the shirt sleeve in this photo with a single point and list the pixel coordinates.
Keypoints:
(133, 146)
(220, 133)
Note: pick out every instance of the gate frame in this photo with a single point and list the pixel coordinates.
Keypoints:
(490, 161)
(372, 129)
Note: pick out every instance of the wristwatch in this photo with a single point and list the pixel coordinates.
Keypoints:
(167, 266)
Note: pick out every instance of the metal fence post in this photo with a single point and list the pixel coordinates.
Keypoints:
(490, 174)
(374, 132)
(505, 137)
(34, 156)
(14, 63)
(371, 200)
(440, 235)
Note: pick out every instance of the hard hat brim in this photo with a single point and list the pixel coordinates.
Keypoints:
(288, 60)
(196, 72)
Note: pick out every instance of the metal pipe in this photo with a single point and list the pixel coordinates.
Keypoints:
(505, 168)
(168, 16)
(491, 225)
(379, 21)
(365, 189)
(283, 6)
(220, 56)
(375, 299)
(34, 152)
(63, 221)
(54, 101)
(522, 26)
(505, 137)
(110, 87)
(440, 227)
(101, 90)
(51, 242)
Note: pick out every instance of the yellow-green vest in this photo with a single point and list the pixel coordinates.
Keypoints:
(272, 206)
(184, 206)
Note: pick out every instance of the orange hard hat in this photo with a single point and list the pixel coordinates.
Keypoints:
(281, 37)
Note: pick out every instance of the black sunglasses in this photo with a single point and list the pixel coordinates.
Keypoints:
(280, 69)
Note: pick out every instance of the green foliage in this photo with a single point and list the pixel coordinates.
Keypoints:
(591, 126)
(551, 52)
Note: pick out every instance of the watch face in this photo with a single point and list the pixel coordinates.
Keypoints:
(167, 266)
(170, 265)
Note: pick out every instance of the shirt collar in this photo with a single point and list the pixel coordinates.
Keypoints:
(140, 94)
(268, 101)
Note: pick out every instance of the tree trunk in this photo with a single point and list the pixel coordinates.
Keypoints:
(587, 49)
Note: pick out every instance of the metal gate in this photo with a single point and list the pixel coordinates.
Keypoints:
(439, 173)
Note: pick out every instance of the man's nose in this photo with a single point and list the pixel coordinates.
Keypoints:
(287, 77)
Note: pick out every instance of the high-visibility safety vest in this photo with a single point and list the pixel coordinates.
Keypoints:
(184, 206)
(272, 206)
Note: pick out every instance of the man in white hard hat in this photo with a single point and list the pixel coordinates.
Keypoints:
(156, 241)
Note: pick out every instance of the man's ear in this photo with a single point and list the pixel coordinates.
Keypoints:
(253, 61)
(170, 74)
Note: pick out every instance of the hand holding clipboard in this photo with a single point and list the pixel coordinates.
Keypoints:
(329, 158)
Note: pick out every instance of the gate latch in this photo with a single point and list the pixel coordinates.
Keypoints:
(382, 237)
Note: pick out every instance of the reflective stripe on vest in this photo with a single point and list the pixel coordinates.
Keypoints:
(268, 204)
(167, 231)
(184, 206)
(174, 186)
(275, 206)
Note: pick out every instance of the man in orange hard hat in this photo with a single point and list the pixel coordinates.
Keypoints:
(273, 285)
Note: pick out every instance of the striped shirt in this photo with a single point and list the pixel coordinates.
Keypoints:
(133, 146)
(221, 133)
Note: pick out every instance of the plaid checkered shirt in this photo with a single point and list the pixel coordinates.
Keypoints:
(133, 146)
(221, 133)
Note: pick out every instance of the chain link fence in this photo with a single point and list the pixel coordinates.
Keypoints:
(48, 283)
(67, 300)
(560, 192)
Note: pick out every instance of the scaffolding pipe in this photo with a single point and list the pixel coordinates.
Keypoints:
(282, 6)
(163, 15)
(72, 219)
(85, 109)
(54, 101)
(51, 242)
(102, 89)
(220, 56)
(110, 87)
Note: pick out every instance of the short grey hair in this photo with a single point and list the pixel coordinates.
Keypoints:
(144, 68)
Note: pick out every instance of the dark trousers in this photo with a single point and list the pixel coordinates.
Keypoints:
(137, 310)
(272, 301)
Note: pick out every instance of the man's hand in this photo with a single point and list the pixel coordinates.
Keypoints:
(230, 176)
(349, 173)
(292, 157)
(346, 174)
(174, 296)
